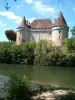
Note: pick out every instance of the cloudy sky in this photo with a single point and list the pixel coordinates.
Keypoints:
(33, 9)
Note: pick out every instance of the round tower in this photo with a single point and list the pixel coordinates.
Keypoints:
(21, 31)
(59, 30)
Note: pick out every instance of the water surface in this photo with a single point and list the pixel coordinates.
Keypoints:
(52, 75)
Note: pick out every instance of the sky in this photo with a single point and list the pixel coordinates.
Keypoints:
(34, 9)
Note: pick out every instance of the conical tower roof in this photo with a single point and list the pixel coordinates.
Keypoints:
(60, 21)
(22, 23)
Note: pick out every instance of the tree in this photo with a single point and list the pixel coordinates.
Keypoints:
(17, 88)
(69, 44)
(6, 4)
(73, 31)
(11, 35)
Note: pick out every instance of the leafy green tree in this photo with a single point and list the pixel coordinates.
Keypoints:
(5, 55)
(17, 88)
(69, 44)
(73, 31)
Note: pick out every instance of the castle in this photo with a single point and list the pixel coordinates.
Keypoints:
(43, 29)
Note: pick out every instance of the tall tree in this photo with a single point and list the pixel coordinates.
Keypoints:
(6, 3)
(11, 35)
(73, 31)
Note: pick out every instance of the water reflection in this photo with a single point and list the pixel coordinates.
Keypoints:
(57, 76)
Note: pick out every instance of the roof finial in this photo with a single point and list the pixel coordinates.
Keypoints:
(23, 22)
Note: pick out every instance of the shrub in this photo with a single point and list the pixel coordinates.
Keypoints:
(69, 96)
(40, 53)
(18, 54)
(17, 88)
(43, 48)
(69, 44)
(5, 55)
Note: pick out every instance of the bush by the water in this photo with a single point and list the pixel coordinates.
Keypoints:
(39, 53)
(69, 96)
(17, 88)
(18, 54)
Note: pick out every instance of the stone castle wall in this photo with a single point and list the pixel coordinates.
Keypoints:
(57, 35)
(41, 36)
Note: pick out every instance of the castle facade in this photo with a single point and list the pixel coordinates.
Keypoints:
(43, 29)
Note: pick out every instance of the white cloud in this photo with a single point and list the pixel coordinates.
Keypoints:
(30, 19)
(19, 6)
(50, 9)
(2, 24)
(73, 9)
(11, 15)
(29, 1)
(42, 8)
(39, 7)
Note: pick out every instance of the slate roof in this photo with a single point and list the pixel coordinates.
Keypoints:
(41, 23)
(44, 23)
(60, 21)
(22, 23)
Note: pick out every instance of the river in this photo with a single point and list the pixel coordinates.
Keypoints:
(60, 76)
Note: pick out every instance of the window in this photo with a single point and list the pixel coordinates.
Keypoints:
(59, 31)
(50, 33)
(59, 37)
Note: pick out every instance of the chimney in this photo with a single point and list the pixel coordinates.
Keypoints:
(27, 22)
(55, 19)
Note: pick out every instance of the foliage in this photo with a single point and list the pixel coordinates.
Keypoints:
(18, 54)
(69, 96)
(5, 55)
(41, 53)
(73, 31)
(17, 88)
(43, 47)
(20, 88)
(11, 35)
(69, 44)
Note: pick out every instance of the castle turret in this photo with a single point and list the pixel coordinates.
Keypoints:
(22, 23)
(20, 30)
(59, 30)
(22, 33)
